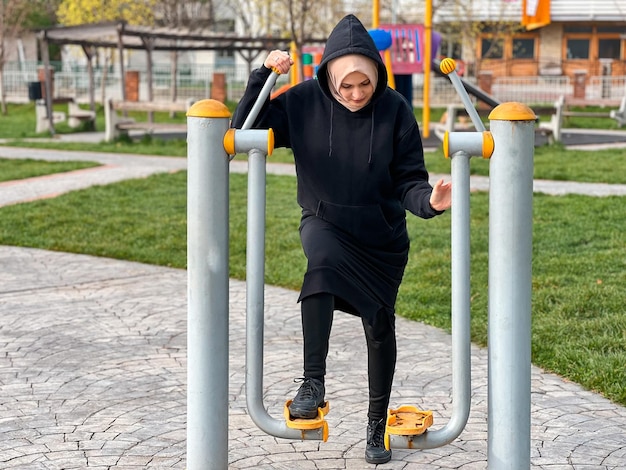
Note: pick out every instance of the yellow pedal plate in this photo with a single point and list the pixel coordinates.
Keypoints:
(408, 421)
(312, 423)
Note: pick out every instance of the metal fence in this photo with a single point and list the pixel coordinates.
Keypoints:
(195, 82)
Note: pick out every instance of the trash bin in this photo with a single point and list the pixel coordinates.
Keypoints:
(34, 91)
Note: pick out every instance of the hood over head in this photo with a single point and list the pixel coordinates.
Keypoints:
(350, 37)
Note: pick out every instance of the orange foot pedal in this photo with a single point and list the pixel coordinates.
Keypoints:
(407, 421)
(307, 424)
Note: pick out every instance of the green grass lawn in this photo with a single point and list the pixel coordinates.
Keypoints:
(579, 267)
(18, 169)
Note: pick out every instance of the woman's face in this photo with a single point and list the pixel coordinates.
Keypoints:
(356, 89)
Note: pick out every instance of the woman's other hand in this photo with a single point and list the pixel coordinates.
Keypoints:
(441, 197)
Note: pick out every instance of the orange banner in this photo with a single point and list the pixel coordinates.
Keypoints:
(535, 13)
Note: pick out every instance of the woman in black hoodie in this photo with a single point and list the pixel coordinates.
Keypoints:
(360, 165)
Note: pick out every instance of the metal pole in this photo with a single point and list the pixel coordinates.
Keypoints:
(255, 305)
(448, 66)
(460, 301)
(253, 141)
(461, 340)
(427, 62)
(207, 267)
(260, 101)
(510, 278)
(255, 281)
(460, 146)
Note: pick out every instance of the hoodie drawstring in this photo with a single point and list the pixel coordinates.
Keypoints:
(330, 134)
(369, 158)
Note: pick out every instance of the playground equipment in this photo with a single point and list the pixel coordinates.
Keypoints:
(383, 41)
(460, 147)
(207, 234)
(469, 88)
(510, 145)
(510, 277)
(236, 141)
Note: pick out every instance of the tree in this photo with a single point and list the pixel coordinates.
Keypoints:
(77, 12)
(192, 14)
(14, 18)
(74, 12)
(301, 21)
(466, 21)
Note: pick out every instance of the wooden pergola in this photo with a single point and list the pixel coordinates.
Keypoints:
(120, 35)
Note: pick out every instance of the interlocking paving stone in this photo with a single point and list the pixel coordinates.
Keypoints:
(93, 375)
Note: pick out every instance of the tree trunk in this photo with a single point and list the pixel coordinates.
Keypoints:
(3, 103)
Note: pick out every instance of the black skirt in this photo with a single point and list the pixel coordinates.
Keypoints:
(364, 279)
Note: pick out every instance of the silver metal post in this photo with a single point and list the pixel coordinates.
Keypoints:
(255, 306)
(260, 101)
(448, 66)
(510, 286)
(460, 146)
(253, 141)
(207, 266)
(461, 340)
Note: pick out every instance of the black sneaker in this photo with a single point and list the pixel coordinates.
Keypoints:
(375, 451)
(309, 398)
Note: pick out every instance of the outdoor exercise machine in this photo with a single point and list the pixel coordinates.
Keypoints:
(460, 147)
(510, 144)
(211, 146)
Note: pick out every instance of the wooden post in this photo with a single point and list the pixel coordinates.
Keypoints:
(218, 87)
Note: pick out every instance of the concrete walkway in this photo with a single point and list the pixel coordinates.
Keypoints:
(118, 167)
(93, 365)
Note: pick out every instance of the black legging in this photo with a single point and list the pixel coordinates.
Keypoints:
(317, 320)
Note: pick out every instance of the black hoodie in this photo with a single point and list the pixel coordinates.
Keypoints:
(357, 170)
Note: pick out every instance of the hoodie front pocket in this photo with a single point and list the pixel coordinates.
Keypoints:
(367, 223)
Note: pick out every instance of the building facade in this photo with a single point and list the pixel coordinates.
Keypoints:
(577, 35)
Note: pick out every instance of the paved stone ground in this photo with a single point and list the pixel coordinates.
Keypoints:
(93, 368)
(93, 375)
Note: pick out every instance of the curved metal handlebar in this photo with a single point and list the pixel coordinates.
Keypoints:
(260, 101)
(448, 66)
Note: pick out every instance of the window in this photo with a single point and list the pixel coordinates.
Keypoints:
(577, 29)
(523, 48)
(610, 29)
(609, 49)
(578, 48)
(491, 48)
(450, 48)
(225, 56)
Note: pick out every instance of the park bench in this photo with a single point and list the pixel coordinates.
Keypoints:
(456, 118)
(116, 124)
(554, 126)
(75, 115)
(620, 114)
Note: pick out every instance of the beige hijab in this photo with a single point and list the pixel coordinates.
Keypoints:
(338, 69)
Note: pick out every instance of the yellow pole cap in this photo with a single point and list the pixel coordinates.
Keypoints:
(512, 111)
(447, 65)
(208, 109)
